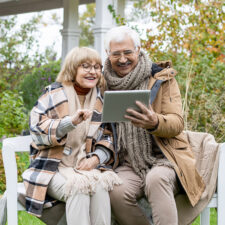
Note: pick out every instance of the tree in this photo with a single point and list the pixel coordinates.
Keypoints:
(17, 54)
(17, 59)
(189, 27)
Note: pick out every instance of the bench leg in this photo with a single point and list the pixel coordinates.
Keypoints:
(3, 209)
(205, 217)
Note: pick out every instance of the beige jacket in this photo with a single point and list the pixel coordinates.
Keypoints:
(178, 147)
(169, 136)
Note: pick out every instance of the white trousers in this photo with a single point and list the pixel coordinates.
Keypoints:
(82, 209)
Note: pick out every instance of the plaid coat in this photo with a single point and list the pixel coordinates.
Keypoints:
(46, 150)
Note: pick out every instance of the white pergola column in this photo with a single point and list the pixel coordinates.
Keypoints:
(103, 22)
(70, 32)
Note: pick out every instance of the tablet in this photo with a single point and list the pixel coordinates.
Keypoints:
(116, 103)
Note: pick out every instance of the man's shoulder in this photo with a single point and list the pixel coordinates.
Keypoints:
(164, 64)
(163, 70)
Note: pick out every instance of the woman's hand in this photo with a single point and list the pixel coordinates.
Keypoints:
(89, 163)
(81, 115)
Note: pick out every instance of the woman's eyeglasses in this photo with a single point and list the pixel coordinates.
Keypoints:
(87, 67)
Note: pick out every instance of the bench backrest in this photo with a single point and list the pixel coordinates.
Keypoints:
(9, 147)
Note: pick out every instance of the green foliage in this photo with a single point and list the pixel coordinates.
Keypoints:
(86, 23)
(12, 39)
(13, 116)
(34, 83)
(13, 61)
(202, 86)
(119, 20)
(22, 160)
(19, 50)
(190, 27)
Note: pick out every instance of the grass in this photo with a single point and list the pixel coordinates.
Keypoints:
(27, 219)
(213, 218)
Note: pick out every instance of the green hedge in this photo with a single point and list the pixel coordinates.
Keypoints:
(13, 114)
(202, 87)
(34, 83)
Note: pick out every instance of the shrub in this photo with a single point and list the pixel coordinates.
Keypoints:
(13, 114)
(34, 83)
(203, 91)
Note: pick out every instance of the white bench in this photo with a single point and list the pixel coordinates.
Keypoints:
(218, 199)
(22, 144)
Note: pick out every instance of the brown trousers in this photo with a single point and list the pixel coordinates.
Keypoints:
(160, 187)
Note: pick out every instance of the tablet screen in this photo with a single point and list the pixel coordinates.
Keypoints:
(116, 103)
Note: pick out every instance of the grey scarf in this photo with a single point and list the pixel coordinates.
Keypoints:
(133, 141)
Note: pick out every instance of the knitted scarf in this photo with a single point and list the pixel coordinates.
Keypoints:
(133, 141)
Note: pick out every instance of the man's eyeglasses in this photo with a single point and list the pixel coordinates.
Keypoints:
(118, 54)
(87, 67)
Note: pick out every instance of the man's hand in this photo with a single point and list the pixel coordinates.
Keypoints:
(146, 119)
(80, 115)
(89, 164)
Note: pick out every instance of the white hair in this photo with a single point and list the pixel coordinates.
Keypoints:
(119, 34)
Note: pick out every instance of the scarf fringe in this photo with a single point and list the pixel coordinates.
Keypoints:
(108, 179)
(85, 182)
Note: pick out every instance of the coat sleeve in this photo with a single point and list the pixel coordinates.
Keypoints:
(43, 124)
(106, 141)
(170, 117)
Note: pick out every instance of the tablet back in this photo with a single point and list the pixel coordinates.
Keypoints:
(116, 103)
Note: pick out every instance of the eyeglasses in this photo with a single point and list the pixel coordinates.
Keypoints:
(118, 54)
(88, 67)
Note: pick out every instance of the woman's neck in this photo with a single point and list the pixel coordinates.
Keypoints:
(80, 90)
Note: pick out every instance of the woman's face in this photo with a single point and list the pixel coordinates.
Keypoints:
(88, 74)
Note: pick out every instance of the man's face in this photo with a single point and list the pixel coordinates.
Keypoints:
(123, 56)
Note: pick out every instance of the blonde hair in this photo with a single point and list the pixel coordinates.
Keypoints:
(73, 60)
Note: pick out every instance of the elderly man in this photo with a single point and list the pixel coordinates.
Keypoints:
(155, 157)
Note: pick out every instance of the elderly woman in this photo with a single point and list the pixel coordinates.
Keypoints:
(71, 150)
